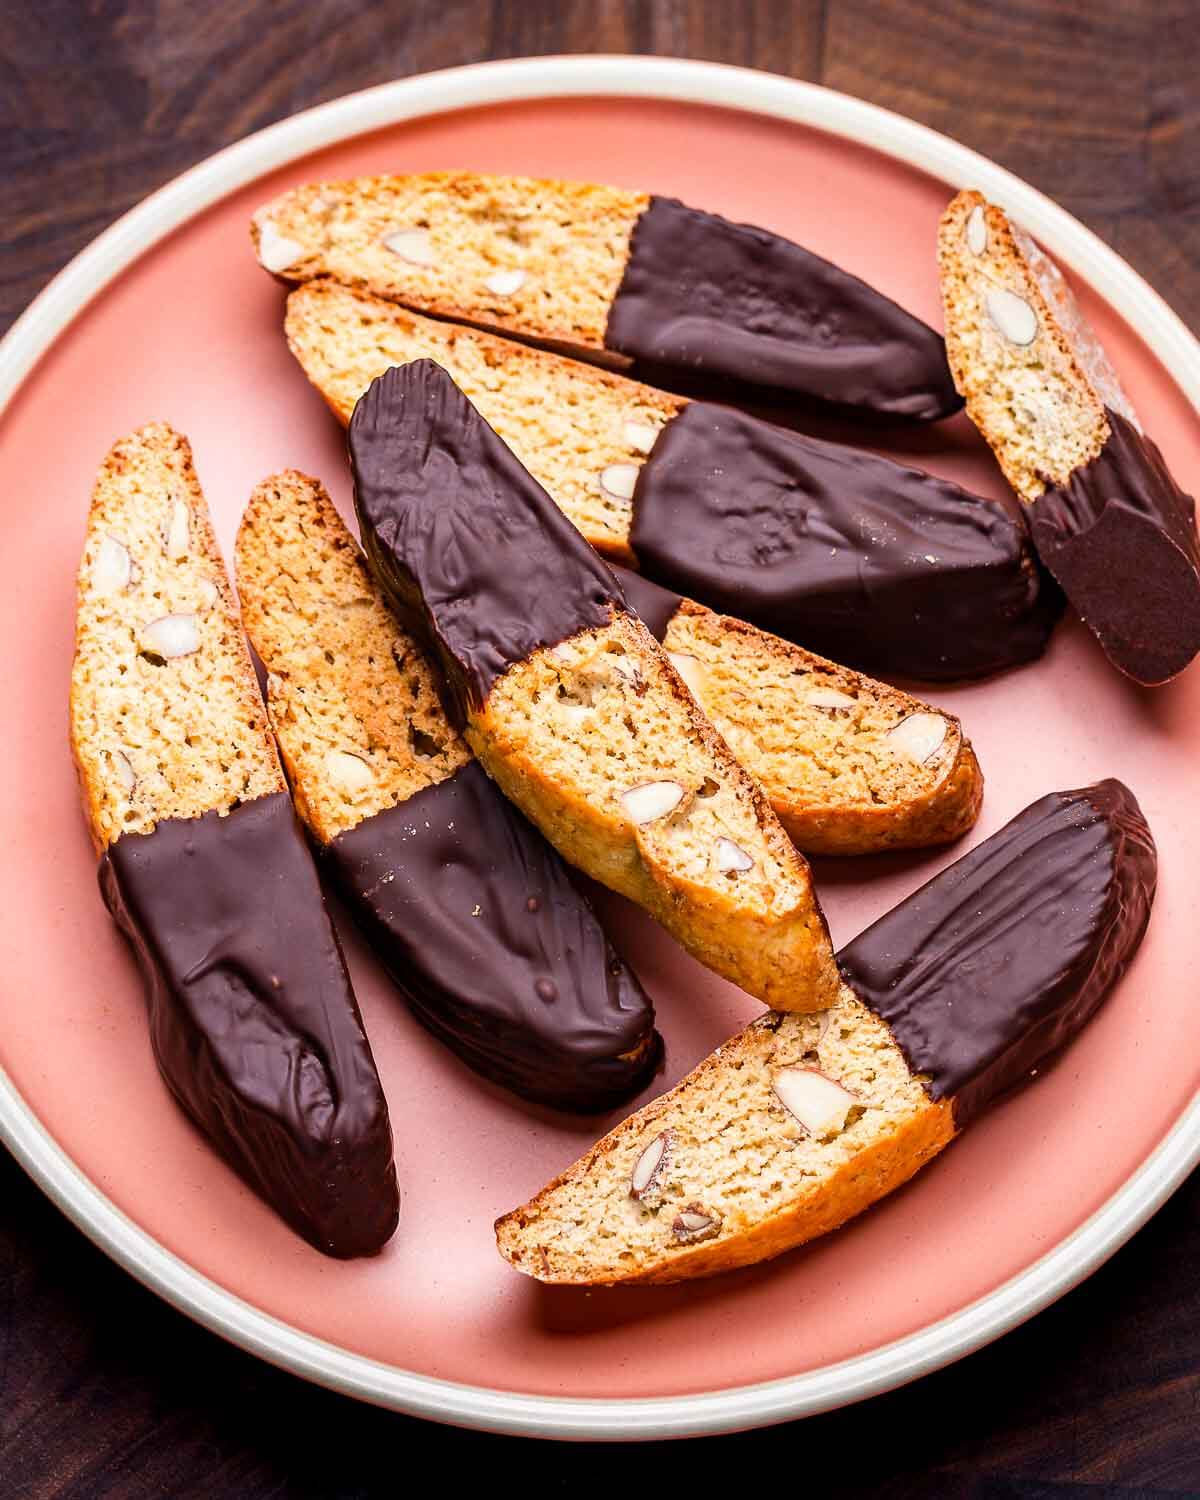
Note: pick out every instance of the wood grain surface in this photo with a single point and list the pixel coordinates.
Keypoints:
(107, 1394)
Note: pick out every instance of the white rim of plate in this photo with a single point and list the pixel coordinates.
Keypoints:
(805, 104)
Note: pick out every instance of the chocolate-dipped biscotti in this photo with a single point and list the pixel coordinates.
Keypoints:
(204, 867)
(867, 561)
(608, 271)
(1107, 518)
(473, 914)
(800, 1122)
(567, 699)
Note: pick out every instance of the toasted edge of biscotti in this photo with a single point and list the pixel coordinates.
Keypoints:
(599, 742)
(543, 258)
(583, 433)
(720, 1172)
(166, 719)
(1034, 376)
(354, 699)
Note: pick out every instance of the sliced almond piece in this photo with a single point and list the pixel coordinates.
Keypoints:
(640, 436)
(651, 1165)
(178, 534)
(209, 593)
(625, 668)
(171, 636)
(577, 714)
(731, 857)
(651, 799)
(123, 769)
(1012, 315)
(691, 669)
(825, 697)
(348, 772)
(920, 736)
(505, 283)
(695, 1223)
(619, 480)
(412, 245)
(977, 235)
(275, 251)
(113, 568)
(819, 1103)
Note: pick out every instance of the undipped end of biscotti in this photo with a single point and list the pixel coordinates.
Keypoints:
(787, 1131)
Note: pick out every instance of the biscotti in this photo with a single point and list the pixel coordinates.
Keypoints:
(474, 915)
(204, 867)
(800, 1122)
(872, 563)
(1107, 518)
(568, 700)
(607, 271)
(850, 765)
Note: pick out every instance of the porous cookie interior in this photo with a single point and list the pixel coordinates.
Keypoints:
(815, 733)
(543, 257)
(166, 716)
(353, 698)
(734, 1152)
(606, 721)
(582, 433)
(1012, 359)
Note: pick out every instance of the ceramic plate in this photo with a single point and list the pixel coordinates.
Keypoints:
(168, 316)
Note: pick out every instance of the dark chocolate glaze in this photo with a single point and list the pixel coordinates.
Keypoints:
(498, 953)
(653, 604)
(706, 296)
(460, 536)
(998, 961)
(1120, 536)
(252, 1018)
(876, 565)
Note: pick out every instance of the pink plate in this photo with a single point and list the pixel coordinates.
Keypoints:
(190, 332)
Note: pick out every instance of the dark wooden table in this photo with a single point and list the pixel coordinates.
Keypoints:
(105, 1391)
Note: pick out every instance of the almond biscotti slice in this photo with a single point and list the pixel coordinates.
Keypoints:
(608, 271)
(870, 562)
(1107, 518)
(800, 1122)
(850, 765)
(568, 700)
(254, 1024)
(474, 915)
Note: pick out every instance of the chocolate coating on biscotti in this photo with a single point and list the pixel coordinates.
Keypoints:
(1120, 537)
(654, 605)
(496, 950)
(879, 566)
(492, 570)
(713, 298)
(252, 1018)
(998, 961)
